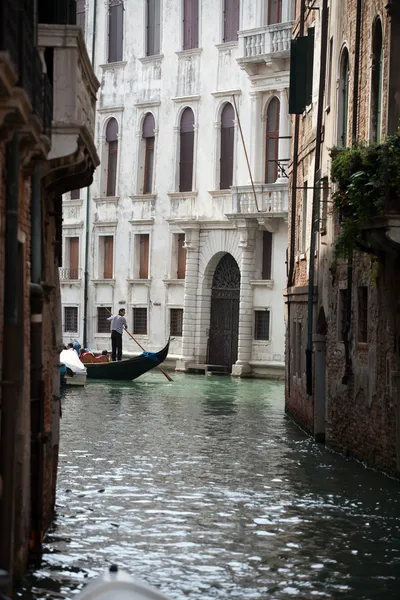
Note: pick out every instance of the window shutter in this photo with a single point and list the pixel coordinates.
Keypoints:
(301, 72)
(144, 256)
(153, 27)
(73, 257)
(157, 26)
(181, 270)
(108, 256)
(227, 144)
(231, 19)
(120, 31)
(186, 151)
(267, 255)
(190, 24)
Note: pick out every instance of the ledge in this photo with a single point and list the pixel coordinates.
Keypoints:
(152, 58)
(181, 195)
(75, 282)
(110, 109)
(262, 283)
(113, 65)
(143, 197)
(168, 282)
(227, 45)
(110, 224)
(76, 203)
(104, 281)
(194, 98)
(216, 193)
(142, 222)
(226, 93)
(72, 225)
(107, 200)
(146, 282)
(150, 104)
(189, 52)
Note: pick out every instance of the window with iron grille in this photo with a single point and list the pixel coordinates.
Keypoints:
(115, 30)
(71, 319)
(176, 321)
(362, 329)
(261, 324)
(139, 321)
(103, 312)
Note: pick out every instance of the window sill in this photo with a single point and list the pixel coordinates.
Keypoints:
(218, 193)
(113, 65)
(269, 283)
(106, 200)
(72, 202)
(168, 282)
(189, 52)
(362, 346)
(227, 45)
(153, 58)
(69, 333)
(259, 343)
(300, 257)
(139, 281)
(143, 197)
(104, 281)
(76, 282)
(178, 99)
(182, 195)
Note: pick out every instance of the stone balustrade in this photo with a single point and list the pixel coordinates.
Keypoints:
(257, 45)
(272, 198)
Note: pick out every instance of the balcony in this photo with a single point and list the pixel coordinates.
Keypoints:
(272, 203)
(265, 48)
(73, 155)
(68, 275)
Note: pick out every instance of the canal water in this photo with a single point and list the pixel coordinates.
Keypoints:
(204, 489)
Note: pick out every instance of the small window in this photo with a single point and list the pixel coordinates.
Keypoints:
(377, 82)
(231, 20)
(75, 194)
(103, 312)
(227, 145)
(70, 319)
(80, 14)
(274, 12)
(140, 321)
(186, 151)
(176, 321)
(149, 139)
(261, 324)
(272, 141)
(267, 255)
(190, 24)
(362, 330)
(112, 144)
(343, 107)
(144, 240)
(304, 209)
(342, 314)
(115, 30)
(106, 255)
(181, 256)
(153, 18)
(73, 257)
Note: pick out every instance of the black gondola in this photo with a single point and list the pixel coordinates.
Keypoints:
(128, 369)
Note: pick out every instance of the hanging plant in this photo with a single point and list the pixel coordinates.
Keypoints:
(368, 178)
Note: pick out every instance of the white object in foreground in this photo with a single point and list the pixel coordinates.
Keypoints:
(71, 360)
(118, 585)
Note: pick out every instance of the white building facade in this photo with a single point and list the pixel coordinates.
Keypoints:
(185, 225)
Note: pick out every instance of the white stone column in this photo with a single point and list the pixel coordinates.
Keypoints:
(284, 133)
(192, 245)
(247, 231)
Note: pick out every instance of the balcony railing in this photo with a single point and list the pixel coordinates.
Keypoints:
(67, 274)
(9, 30)
(272, 40)
(272, 199)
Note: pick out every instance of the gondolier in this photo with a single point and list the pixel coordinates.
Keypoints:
(118, 324)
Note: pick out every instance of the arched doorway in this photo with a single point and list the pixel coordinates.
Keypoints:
(224, 320)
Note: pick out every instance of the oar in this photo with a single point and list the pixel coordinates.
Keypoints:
(141, 347)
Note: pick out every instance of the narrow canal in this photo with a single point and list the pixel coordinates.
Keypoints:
(204, 489)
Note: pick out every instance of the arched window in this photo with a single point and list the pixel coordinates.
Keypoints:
(186, 151)
(115, 30)
(376, 83)
(272, 141)
(227, 142)
(148, 136)
(112, 143)
(343, 100)
(274, 12)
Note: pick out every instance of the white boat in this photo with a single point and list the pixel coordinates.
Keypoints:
(118, 585)
(76, 370)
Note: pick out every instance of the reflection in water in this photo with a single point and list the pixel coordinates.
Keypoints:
(203, 488)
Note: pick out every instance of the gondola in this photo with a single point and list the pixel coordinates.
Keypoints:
(126, 370)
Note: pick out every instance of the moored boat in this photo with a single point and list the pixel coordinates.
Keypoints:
(74, 372)
(128, 369)
(117, 585)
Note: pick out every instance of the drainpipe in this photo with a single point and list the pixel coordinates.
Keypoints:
(37, 388)
(316, 197)
(356, 85)
(12, 373)
(293, 207)
(86, 282)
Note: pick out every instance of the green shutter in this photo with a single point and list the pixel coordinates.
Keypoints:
(301, 73)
